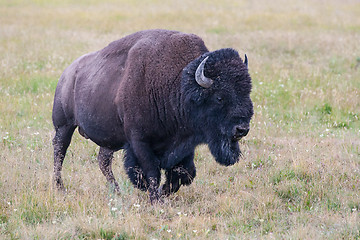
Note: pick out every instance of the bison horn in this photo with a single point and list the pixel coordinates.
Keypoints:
(200, 77)
(246, 61)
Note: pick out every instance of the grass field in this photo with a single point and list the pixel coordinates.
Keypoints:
(300, 174)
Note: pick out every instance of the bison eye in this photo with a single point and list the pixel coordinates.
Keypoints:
(219, 99)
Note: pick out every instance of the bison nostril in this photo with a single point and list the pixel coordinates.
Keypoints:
(240, 132)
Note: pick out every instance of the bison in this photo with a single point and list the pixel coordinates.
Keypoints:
(157, 94)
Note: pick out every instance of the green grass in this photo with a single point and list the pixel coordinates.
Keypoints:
(299, 177)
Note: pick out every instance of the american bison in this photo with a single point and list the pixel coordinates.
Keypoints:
(157, 94)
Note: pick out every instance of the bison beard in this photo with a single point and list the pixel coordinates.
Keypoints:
(156, 94)
(225, 151)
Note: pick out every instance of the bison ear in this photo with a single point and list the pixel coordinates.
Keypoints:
(246, 61)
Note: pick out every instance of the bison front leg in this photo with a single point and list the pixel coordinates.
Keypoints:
(150, 167)
(134, 170)
(182, 174)
(105, 158)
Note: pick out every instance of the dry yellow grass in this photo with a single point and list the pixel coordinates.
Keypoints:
(300, 175)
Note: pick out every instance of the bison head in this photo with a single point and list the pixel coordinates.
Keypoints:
(216, 93)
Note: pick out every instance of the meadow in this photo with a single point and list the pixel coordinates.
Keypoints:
(299, 177)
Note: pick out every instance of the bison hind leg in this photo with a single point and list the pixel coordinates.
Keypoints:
(61, 143)
(105, 159)
(134, 171)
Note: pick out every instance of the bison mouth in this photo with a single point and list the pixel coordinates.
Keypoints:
(235, 138)
(225, 150)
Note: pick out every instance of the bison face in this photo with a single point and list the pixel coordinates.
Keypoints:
(226, 125)
(219, 105)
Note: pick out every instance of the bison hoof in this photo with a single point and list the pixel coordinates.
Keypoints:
(156, 200)
(164, 190)
(59, 185)
(155, 196)
(114, 187)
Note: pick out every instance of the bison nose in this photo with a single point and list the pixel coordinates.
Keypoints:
(240, 132)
